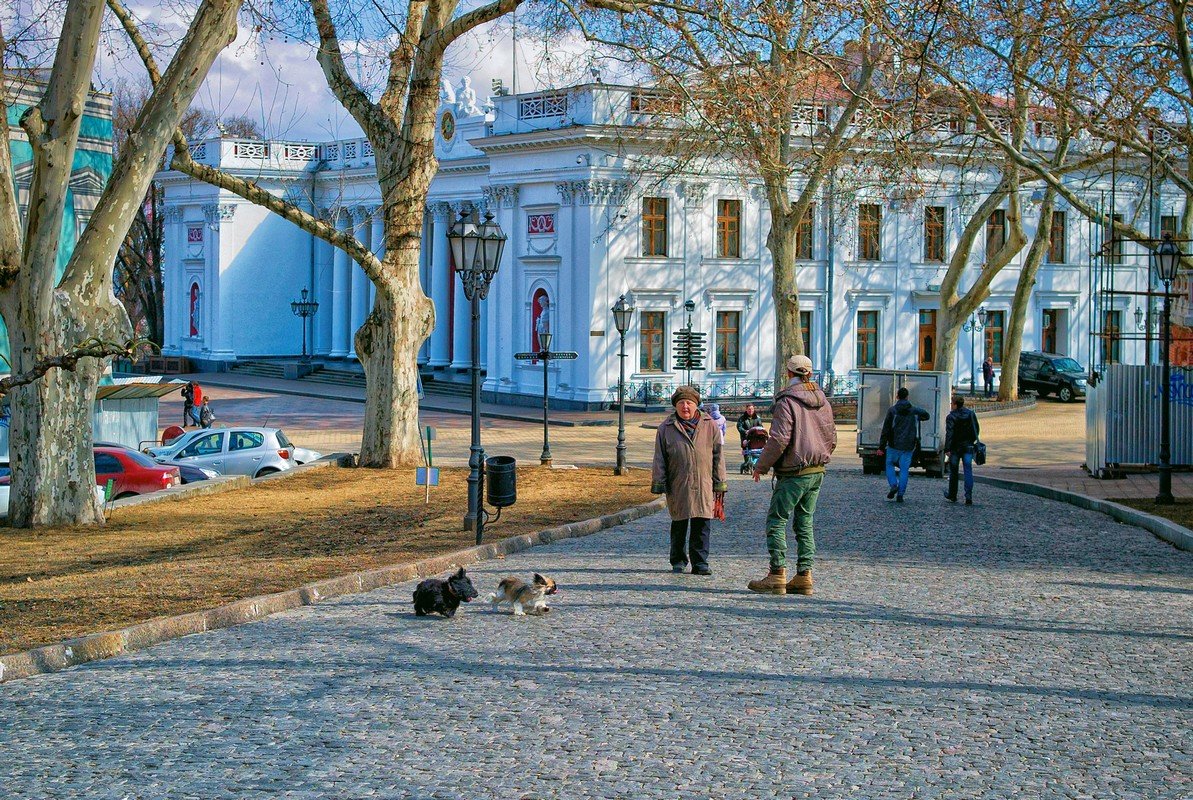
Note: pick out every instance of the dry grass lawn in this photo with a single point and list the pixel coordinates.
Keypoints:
(174, 557)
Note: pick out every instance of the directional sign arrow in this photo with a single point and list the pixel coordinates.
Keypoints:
(526, 356)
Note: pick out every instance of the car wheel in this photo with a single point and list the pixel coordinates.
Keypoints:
(1065, 394)
(123, 495)
(264, 472)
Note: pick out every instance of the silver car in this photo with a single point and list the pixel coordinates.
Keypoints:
(231, 451)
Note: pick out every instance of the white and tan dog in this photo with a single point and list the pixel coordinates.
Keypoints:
(523, 595)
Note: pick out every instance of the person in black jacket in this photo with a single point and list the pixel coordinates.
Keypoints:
(960, 435)
(748, 419)
(900, 433)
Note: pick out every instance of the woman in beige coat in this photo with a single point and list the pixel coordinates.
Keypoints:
(690, 470)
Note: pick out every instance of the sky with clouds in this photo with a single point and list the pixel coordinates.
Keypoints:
(276, 81)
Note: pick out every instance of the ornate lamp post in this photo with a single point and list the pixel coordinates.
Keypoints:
(304, 308)
(1167, 260)
(975, 324)
(623, 312)
(476, 249)
(545, 355)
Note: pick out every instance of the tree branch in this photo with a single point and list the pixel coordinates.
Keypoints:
(90, 348)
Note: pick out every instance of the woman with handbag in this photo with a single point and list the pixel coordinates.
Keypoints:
(960, 441)
(690, 469)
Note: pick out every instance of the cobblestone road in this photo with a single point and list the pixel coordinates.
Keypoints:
(1015, 649)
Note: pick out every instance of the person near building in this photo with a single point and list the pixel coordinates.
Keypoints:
(192, 399)
(899, 437)
(960, 435)
(714, 412)
(206, 415)
(748, 419)
(988, 376)
(689, 468)
(802, 439)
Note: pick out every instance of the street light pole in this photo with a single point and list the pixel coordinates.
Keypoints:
(304, 308)
(476, 250)
(1168, 259)
(545, 355)
(976, 323)
(622, 313)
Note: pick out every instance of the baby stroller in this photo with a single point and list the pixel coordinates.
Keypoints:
(751, 448)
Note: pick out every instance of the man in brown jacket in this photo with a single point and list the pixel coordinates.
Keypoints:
(802, 437)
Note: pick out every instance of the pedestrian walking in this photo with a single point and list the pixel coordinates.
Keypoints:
(206, 415)
(802, 439)
(748, 419)
(988, 376)
(714, 411)
(192, 398)
(899, 438)
(960, 435)
(690, 469)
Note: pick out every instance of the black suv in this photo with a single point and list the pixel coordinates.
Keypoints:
(1049, 373)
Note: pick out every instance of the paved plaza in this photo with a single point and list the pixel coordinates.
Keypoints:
(1014, 649)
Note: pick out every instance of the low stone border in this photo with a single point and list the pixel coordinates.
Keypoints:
(96, 646)
(1177, 535)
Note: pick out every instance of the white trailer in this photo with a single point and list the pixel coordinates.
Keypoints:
(931, 391)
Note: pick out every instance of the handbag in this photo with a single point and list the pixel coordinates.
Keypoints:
(979, 453)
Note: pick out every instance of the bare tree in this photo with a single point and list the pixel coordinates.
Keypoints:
(400, 126)
(787, 90)
(50, 430)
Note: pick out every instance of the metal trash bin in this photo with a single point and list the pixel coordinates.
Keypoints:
(501, 484)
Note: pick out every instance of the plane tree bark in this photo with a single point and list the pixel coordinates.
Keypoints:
(50, 437)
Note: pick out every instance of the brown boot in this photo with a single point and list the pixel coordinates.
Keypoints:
(774, 583)
(801, 583)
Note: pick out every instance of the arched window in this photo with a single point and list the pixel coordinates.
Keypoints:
(195, 300)
(540, 317)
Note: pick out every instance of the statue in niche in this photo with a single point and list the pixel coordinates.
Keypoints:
(466, 98)
(447, 95)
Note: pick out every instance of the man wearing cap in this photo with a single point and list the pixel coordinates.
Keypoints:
(802, 438)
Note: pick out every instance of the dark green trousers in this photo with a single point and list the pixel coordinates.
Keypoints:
(794, 499)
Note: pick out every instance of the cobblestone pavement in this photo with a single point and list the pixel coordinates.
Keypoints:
(1014, 649)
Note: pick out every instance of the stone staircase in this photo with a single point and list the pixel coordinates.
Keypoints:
(446, 388)
(259, 369)
(336, 377)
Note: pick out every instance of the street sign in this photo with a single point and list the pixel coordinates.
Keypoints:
(553, 355)
(689, 349)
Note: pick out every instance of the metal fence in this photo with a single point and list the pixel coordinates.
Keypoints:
(651, 392)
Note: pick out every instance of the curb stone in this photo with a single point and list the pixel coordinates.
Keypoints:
(1176, 535)
(97, 646)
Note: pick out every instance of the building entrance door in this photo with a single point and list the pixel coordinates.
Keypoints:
(1048, 331)
(927, 338)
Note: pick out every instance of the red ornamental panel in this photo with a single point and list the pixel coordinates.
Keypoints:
(537, 224)
(194, 234)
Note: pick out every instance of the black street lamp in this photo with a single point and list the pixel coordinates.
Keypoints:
(623, 312)
(476, 250)
(545, 355)
(975, 324)
(304, 308)
(1167, 259)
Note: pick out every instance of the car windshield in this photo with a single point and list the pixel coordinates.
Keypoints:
(1067, 365)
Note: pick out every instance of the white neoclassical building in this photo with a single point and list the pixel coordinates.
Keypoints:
(559, 171)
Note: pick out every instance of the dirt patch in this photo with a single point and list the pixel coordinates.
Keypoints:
(1181, 512)
(171, 558)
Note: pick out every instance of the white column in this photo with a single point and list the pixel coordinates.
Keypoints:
(173, 278)
(378, 244)
(218, 326)
(360, 283)
(339, 296)
(323, 295)
(441, 278)
(424, 279)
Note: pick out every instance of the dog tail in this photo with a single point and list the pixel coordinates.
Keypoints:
(490, 597)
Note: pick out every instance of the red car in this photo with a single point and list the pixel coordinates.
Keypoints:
(134, 473)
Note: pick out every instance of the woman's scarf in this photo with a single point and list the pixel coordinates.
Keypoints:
(689, 425)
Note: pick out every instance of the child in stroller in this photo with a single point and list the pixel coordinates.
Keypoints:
(751, 448)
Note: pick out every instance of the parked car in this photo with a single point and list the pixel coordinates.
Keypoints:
(1050, 373)
(134, 473)
(188, 472)
(231, 451)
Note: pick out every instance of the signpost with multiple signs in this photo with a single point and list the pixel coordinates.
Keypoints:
(689, 350)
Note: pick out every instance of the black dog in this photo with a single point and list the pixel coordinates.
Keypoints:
(438, 596)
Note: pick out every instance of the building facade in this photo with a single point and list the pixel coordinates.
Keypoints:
(562, 173)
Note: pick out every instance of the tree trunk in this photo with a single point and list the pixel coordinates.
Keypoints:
(789, 338)
(387, 346)
(1008, 383)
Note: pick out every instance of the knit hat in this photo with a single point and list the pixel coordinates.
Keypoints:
(686, 393)
(799, 365)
